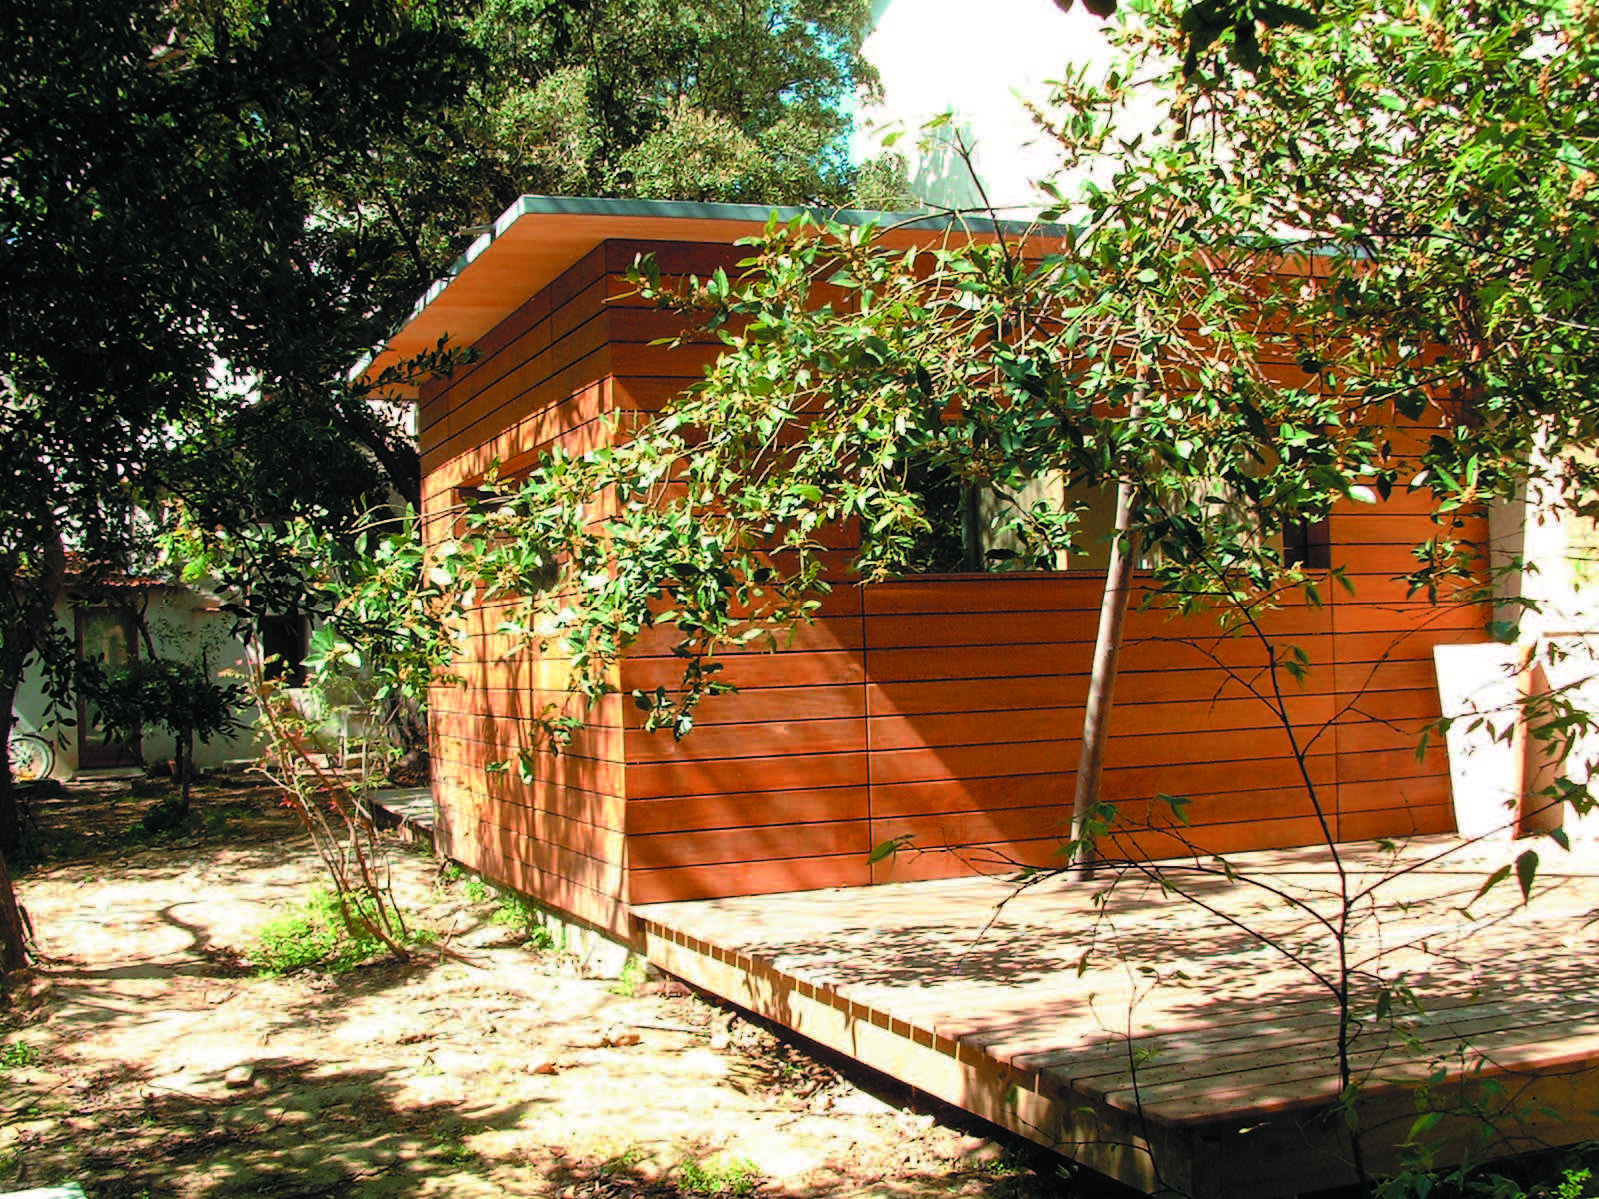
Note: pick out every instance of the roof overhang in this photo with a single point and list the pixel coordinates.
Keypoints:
(539, 237)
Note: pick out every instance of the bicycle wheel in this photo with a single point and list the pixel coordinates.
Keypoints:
(31, 757)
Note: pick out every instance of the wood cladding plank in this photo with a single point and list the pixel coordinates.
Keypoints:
(985, 594)
(665, 780)
(840, 633)
(525, 805)
(746, 810)
(766, 740)
(1178, 753)
(546, 829)
(763, 843)
(595, 873)
(913, 697)
(1065, 721)
(672, 257)
(522, 429)
(584, 774)
(844, 701)
(799, 669)
(502, 735)
(748, 878)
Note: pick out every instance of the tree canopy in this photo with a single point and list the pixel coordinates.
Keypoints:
(170, 178)
(194, 189)
(1372, 216)
(209, 210)
(700, 101)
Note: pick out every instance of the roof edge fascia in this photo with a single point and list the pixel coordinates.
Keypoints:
(548, 234)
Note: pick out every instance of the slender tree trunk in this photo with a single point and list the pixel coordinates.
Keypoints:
(185, 755)
(1102, 678)
(10, 818)
(13, 925)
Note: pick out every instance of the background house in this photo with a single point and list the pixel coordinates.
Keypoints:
(180, 622)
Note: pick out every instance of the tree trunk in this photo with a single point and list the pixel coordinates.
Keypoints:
(185, 752)
(1102, 678)
(10, 818)
(1107, 654)
(13, 924)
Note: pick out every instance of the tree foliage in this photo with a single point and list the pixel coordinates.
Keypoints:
(1386, 221)
(182, 186)
(181, 697)
(702, 101)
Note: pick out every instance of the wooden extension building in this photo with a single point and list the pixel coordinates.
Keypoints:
(943, 707)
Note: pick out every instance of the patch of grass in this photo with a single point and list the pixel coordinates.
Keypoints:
(457, 1152)
(717, 1176)
(1010, 1161)
(516, 911)
(631, 979)
(314, 935)
(164, 818)
(620, 1162)
(1553, 1174)
(511, 909)
(16, 1054)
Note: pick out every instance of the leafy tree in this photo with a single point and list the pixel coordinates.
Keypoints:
(181, 697)
(708, 101)
(1400, 202)
(183, 185)
(1393, 203)
(702, 101)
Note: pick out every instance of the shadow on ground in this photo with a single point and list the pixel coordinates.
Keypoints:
(298, 1129)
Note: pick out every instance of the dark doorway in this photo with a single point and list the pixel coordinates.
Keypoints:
(107, 634)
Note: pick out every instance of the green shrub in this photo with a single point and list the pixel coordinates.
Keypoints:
(729, 1176)
(313, 936)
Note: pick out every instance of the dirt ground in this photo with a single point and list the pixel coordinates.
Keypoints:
(146, 1056)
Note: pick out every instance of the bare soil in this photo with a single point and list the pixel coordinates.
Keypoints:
(146, 1056)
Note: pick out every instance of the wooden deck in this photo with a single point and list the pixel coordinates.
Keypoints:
(1153, 1039)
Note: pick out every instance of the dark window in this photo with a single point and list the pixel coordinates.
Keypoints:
(1308, 544)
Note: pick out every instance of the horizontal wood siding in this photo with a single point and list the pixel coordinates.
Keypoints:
(966, 731)
(540, 379)
(946, 710)
(769, 792)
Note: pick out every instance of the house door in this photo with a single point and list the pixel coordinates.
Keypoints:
(107, 634)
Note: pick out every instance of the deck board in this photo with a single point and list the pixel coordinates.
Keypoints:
(1188, 1054)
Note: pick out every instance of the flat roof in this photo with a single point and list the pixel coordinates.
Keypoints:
(539, 237)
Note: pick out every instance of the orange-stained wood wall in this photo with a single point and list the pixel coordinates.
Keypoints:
(943, 708)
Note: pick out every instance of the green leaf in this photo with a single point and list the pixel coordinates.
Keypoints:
(1527, 872)
(1492, 881)
(888, 849)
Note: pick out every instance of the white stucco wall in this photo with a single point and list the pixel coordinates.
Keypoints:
(184, 625)
(31, 707)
